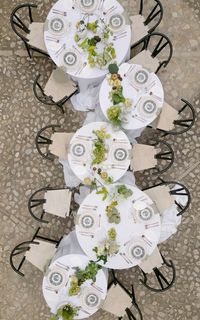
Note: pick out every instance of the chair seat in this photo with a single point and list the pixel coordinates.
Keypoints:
(58, 202)
(60, 143)
(117, 300)
(139, 30)
(143, 157)
(145, 59)
(155, 260)
(40, 254)
(36, 36)
(59, 85)
(161, 196)
(167, 117)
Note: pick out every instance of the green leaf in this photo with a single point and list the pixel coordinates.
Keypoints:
(113, 68)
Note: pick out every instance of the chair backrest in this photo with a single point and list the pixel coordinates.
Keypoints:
(17, 24)
(35, 205)
(58, 202)
(178, 191)
(39, 93)
(19, 253)
(155, 15)
(42, 141)
(187, 117)
(165, 157)
(160, 282)
(120, 299)
(159, 43)
(60, 144)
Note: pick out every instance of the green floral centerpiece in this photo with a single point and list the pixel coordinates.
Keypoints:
(106, 248)
(113, 213)
(82, 275)
(93, 38)
(121, 105)
(67, 312)
(100, 151)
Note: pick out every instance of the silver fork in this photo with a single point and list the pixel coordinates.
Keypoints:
(79, 71)
(62, 13)
(111, 9)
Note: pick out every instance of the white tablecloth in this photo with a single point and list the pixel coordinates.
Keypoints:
(88, 78)
(135, 120)
(128, 230)
(69, 253)
(83, 168)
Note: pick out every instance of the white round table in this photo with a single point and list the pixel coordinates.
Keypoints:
(153, 89)
(56, 298)
(130, 231)
(89, 77)
(82, 165)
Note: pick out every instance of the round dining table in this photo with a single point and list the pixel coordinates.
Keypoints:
(145, 91)
(59, 36)
(80, 154)
(137, 233)
(56, 281)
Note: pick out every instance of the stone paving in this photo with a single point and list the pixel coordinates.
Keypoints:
(22, 170)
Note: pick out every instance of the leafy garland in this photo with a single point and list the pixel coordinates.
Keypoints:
(108, 247)
(82, 275)
(97, 56)
(121, 105)
(67, 312)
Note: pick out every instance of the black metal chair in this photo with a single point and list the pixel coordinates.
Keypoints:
(48, 100)
(150, 20)
(20, 27)
(164, 156)
(36, 203)
(176, 189)
(43, 141)
(137, 312)
(187, 119)
(156, 13)
(155, 43)
(163, 283)
(22, 248)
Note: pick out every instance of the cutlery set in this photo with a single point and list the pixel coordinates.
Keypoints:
(111, 9)
(124, 256)
(62, 13)
(146, 240)
(152, 225)
(121, 35)
(62, 48)
(48, 38)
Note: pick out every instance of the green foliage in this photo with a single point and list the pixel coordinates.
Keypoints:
(74, 287)
(112, 234)
(114, 115)
(67, 312)
(100, 150)
(113, 68)
(89, 272)
(117, 95)
(104, 192)
(124, 192)
(113, 213)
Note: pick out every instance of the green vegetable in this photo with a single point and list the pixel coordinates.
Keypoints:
(112, 234)
(113, 68)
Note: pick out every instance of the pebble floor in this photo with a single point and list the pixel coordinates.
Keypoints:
(22, 170)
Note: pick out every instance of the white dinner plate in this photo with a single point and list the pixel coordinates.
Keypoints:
(145, 214)
(87, 6)
(136, 250)
(140, 77)
(58, 26)
(70, 59)
(90, 299)
(57, 277)
(88, 221)
(119, 154)
(116, 22)
(148, 106)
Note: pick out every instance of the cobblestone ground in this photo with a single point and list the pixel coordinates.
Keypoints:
(22, 170)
